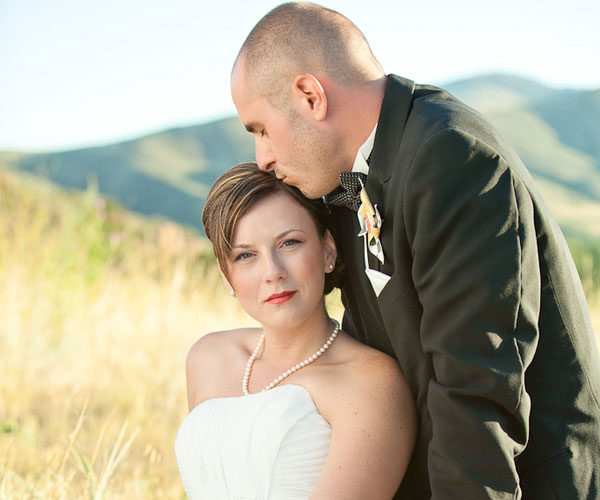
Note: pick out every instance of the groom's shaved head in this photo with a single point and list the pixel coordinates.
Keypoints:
(302, 37)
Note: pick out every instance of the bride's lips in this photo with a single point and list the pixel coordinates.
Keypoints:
(280, 298)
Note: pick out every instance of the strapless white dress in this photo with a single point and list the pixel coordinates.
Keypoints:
(270, 445)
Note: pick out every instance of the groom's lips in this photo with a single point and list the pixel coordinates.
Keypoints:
(280, 298)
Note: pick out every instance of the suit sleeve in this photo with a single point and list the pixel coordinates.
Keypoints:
(470, 225)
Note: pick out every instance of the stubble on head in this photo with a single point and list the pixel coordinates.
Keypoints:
(303, 38)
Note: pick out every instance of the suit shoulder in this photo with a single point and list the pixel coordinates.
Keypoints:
(436, 109)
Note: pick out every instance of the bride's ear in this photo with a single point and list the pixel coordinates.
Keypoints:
(330, 251)
(226, 281)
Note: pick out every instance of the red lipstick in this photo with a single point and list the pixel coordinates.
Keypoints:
(280, 298)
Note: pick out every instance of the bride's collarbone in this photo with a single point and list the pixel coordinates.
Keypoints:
(225, 356)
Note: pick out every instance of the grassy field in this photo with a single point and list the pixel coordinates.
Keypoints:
(98, 310)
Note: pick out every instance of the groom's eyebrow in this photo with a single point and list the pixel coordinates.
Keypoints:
(251, 127)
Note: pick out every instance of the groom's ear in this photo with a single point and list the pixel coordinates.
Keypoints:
(309, 95)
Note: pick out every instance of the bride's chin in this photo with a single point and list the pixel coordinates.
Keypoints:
(280, 322)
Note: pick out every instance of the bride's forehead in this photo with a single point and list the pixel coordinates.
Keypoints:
(276, 207)
(274, 213)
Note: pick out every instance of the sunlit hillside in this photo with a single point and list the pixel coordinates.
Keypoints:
(167, 173)
(99, 308)
(555, 132)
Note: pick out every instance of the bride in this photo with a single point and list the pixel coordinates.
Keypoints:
(296, 409)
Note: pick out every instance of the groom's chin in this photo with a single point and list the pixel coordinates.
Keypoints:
(310, 194)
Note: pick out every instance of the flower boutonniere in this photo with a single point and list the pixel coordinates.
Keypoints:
(370, 224)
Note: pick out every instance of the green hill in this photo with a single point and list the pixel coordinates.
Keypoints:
(168, 174)
(71, 238)
(576, 119)
(499, 91)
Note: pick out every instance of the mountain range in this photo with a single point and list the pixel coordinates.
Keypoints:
(555, 131)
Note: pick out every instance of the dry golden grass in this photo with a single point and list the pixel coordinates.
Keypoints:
(595, 313)
(92, 395)
(98, 312)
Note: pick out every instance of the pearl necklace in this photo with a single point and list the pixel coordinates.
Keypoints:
(291, 370)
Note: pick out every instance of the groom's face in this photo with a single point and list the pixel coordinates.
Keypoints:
(286, 143)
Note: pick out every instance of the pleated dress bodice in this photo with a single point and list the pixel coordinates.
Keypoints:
(270, 445)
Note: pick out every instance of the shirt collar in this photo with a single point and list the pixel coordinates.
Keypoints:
(360, 162)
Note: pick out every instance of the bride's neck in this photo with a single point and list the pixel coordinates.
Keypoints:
(297, 343)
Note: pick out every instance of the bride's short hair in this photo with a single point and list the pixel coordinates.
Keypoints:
(238, 190)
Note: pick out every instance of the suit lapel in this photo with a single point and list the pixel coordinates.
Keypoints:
(395, 109)
(394, 113)
(367, 323)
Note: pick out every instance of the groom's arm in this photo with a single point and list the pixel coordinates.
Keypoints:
(475, 269)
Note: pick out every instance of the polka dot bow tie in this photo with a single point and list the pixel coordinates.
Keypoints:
(347, 194)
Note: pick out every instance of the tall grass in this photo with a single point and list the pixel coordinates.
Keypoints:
(97, 311)
(586, 254)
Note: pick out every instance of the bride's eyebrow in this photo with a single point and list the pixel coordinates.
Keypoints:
(287, 232)
(279, 236)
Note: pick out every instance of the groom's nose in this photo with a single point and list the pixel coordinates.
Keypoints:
(265, 158)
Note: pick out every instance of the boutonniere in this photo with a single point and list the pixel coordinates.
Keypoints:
(370, 224)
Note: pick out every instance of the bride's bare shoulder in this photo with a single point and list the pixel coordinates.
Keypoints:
(363, 375)
(367, 361)
(216, 345)
(215, 363)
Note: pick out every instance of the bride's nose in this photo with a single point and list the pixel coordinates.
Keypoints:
(274, 269)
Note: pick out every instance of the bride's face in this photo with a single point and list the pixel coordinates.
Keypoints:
(278, 262)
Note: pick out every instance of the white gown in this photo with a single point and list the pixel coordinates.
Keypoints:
(270, 445)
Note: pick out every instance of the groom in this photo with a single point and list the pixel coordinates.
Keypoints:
(460, 272)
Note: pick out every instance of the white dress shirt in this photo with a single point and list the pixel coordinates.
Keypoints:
(377, 279)
(360, 162)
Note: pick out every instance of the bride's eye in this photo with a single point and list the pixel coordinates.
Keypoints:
(242, 256)
(290, 243)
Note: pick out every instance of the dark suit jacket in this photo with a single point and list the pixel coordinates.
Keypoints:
(484, 309)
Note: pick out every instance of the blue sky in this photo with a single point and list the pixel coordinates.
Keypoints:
(80, 72)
